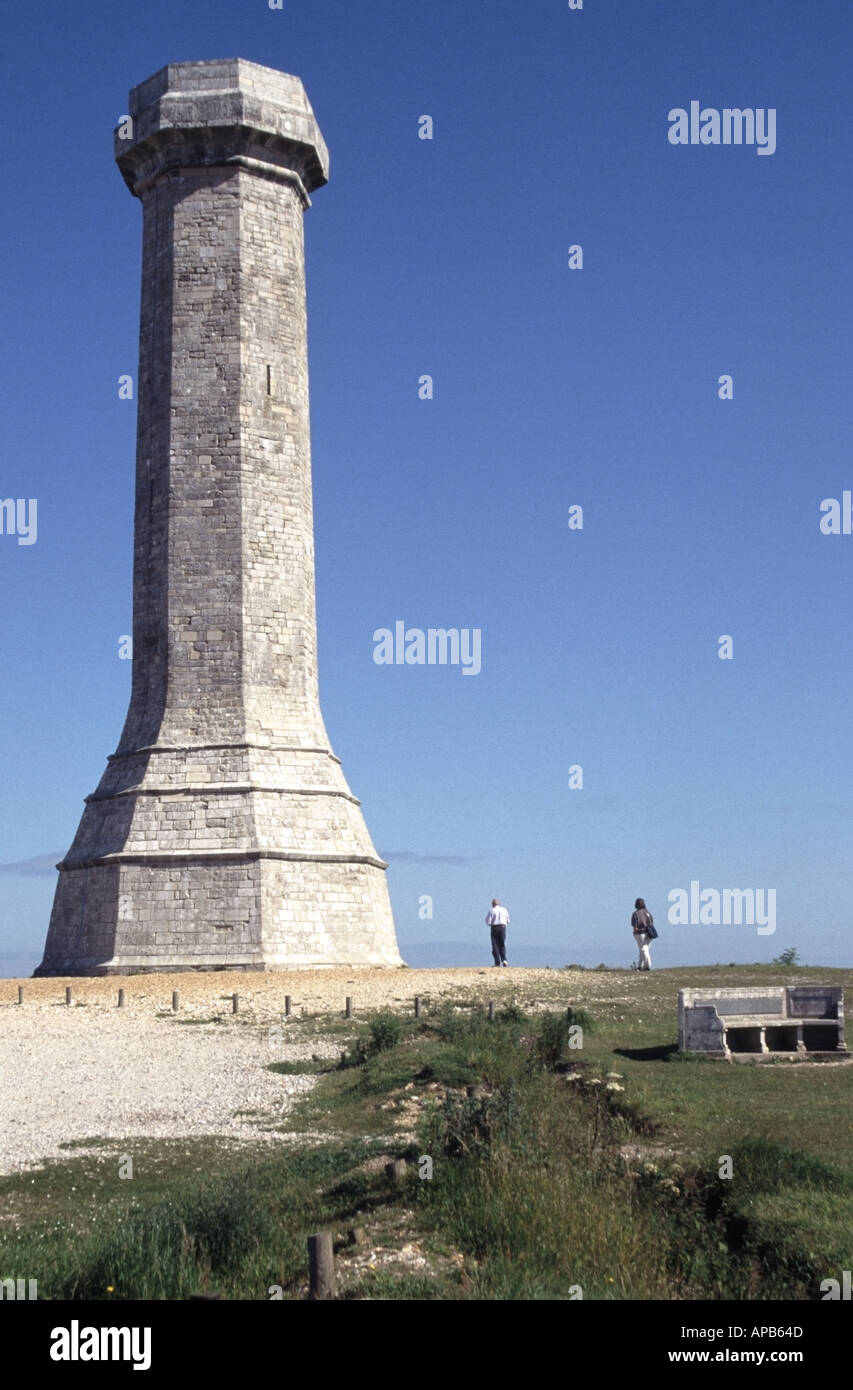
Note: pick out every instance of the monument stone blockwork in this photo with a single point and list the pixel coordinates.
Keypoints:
(223, 832)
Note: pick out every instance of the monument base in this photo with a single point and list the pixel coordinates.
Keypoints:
(167, 913)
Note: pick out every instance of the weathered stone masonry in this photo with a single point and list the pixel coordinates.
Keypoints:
(223, 832)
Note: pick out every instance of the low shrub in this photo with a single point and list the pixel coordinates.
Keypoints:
(386, 1030)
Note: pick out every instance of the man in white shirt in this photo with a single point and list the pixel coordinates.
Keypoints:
(498, 919)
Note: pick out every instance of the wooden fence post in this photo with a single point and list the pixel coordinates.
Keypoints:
(121, 999)
(321, 1266)
(176, 1003)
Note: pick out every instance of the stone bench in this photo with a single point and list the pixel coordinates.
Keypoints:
(792, 1020)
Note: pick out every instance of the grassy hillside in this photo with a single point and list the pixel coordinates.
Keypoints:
(568, 1170)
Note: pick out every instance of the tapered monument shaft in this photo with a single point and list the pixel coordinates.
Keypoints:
(223, 832)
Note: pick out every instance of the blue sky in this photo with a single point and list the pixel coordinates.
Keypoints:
(552, 387)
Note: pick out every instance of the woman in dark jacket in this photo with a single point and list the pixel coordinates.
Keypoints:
(641, 920)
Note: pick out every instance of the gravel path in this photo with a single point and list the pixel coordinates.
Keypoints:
(72, 1074)
(92, 1070)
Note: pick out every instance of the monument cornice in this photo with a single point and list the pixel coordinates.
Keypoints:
(219, 856)
(150, 749)
(182, 152)
(221, 789)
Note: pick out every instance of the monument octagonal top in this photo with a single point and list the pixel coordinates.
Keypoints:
(185, 99)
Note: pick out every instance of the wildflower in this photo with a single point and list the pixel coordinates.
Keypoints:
(614, 1086)
(110, 1288)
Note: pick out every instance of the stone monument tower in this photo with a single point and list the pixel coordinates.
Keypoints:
(223, 833)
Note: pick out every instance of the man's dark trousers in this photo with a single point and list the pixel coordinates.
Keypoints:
(498, 944)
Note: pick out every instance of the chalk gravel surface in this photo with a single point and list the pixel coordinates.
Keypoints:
(92, 1070)
(67, 1075)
